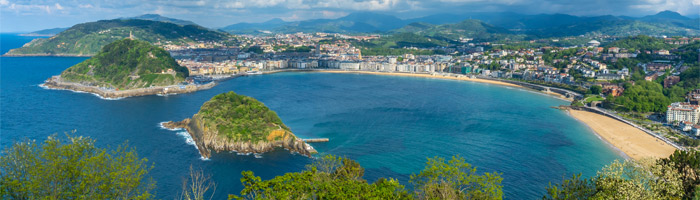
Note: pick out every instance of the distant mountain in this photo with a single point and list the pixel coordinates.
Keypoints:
(87, 38)
(157, 17)
(45, 32)
(671, 18)
(255, 27)
(540, 25)
(470, 28)
(359, 22)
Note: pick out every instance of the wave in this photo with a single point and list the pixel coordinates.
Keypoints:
(166, 128)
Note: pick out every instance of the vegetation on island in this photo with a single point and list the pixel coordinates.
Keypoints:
(241, 118)
(128, 64)
(89, 38)
(73, 168)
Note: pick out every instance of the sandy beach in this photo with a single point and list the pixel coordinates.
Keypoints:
(630, 140)
(424, 76)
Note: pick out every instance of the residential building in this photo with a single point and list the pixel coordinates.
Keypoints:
(683, 112)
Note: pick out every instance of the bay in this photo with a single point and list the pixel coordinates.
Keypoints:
(390, 125)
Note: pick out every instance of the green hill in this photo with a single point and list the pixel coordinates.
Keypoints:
(127, 64)
(88, 38)
(470, 28)
(241, 118)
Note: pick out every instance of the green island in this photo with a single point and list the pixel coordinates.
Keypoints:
(87, 39)
(233, 122)
(128, 64)
(126, 68)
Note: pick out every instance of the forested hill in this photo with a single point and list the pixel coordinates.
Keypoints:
(128, 64)
(88, 38)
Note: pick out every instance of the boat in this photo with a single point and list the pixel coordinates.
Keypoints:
(253, 73)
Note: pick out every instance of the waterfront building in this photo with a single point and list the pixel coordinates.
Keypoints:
(683, 112)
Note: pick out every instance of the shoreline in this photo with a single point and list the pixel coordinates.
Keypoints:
(56, 83)
(631, 141)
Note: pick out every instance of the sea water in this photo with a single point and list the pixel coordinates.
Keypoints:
(390, 125)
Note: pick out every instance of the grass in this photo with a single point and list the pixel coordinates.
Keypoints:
(594, 98)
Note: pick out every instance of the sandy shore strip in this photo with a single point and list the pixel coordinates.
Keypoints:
(463, 78)
(630, 140)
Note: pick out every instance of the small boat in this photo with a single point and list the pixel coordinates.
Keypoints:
(254, 73)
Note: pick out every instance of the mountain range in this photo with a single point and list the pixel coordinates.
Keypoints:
(540, 25)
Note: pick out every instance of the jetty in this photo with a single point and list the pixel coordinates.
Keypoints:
(316, 140)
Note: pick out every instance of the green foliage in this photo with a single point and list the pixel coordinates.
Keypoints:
(643, 96)
(89, 38)
(455, 179)
(343, 181)
(641, 42)
(670, 178)
(570, 189)
(596, 89)
(117, 61)
(686, 163)
(72, 169)
(240, 118)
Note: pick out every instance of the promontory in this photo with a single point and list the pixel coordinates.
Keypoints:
(126, 68)
(232, 122)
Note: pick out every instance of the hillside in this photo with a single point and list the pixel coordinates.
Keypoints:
(88, 38)
(45, 32)
(233, 122)
(157, 17)
(470, 28)
(127, 64)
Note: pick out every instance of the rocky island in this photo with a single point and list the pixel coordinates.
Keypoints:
(233, 122)
(126, 68)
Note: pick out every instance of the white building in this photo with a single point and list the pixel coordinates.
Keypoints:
(683, 112)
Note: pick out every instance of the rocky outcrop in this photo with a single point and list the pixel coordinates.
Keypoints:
(208, 140)
(56, 82)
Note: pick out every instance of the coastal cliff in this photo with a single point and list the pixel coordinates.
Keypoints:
(232, 122)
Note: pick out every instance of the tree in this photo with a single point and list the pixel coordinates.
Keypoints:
(574, 188)
(199, 185)
(455, 179)
(647, 179)
(57, 169)
(596, 89)
(686, 163)
(329, 177)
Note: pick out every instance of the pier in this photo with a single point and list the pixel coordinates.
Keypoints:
(316, 140)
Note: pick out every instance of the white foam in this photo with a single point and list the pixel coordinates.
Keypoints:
(188, 138)
(170, 129)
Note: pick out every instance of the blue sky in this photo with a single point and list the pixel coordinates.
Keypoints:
(31, 15)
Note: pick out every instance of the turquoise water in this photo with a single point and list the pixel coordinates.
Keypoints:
(389, 124)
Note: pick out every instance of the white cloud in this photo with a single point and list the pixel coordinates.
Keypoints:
(85, 6)
(4, 2)
(58, 6)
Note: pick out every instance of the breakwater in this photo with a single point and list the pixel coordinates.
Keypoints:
(56, 82)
